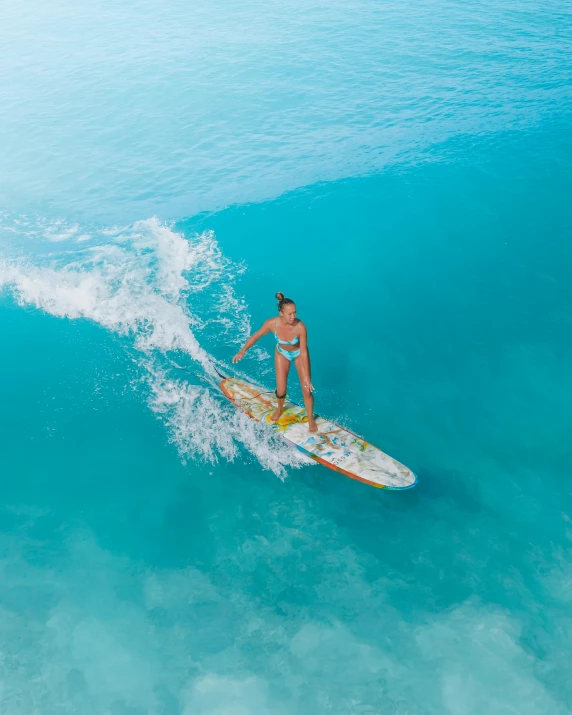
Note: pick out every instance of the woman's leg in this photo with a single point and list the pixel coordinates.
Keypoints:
(307, 392)
(282, 366)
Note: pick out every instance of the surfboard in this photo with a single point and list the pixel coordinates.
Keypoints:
(332, 445)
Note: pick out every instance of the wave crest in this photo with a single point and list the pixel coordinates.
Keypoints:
(157, 289)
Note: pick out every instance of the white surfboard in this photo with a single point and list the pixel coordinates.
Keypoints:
(333, 446)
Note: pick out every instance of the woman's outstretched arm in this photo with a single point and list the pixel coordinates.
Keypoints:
(266, 328)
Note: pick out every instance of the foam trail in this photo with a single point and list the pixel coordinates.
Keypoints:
(200, 425)
(133, 286)
(156, 288)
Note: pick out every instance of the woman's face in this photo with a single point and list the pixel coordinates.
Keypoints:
(288, 313)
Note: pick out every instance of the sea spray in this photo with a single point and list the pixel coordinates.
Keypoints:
(158, 291)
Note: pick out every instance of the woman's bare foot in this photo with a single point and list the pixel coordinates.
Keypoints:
(275, 416)
(312, 426)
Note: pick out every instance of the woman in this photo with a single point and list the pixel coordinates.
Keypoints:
(291, 346)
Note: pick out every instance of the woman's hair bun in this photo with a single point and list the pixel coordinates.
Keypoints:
(282, 301)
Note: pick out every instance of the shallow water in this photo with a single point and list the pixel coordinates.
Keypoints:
(403, 173)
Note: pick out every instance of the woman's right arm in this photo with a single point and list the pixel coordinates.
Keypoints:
(266, 328)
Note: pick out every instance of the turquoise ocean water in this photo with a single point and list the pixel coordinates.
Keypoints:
(404, 172)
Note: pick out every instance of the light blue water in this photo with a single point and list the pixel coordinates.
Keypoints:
(403, 171)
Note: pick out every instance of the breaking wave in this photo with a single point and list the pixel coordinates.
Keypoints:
(160, 291)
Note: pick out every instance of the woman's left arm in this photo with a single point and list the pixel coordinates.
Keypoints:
(305, 356)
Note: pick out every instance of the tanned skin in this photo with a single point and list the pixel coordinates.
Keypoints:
(288, 326)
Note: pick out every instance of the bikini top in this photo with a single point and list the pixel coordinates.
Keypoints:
(285, 342)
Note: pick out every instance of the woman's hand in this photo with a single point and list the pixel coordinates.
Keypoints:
(308, 384)
(238, 356)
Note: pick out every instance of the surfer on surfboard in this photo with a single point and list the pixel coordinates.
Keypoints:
(291, 347)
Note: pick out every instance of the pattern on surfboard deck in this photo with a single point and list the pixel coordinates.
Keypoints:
(333, 446)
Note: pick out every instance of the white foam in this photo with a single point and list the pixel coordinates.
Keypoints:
(200, 425)
(155, 287)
